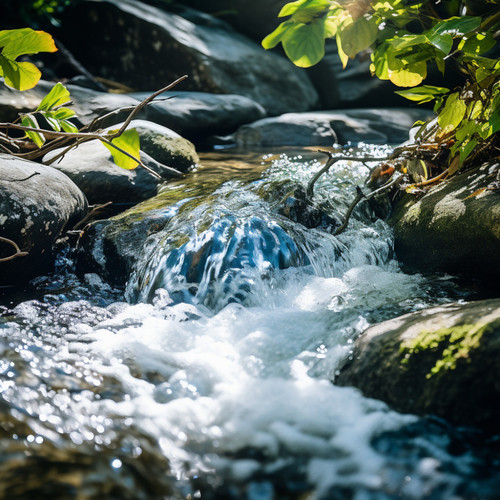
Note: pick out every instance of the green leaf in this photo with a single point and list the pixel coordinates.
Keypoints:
(417, 170)
(30, 121)
(129, 142)
(467, 149)
(493, 124)
(440, 63)
(477, 44)
(344, 58)
(455, 26)
(305, 44)
(358, 36)
(63, 113)
(271, 40)
(424, 93)
(23, 41)
(407, 40)
(69, 127)
(22, 75)
(58, 96)
(452, 113)
(380, 62)
(52, 122)
(443, 42)
(332, 23)
(19, 75)
(406, 75)
(306, 10)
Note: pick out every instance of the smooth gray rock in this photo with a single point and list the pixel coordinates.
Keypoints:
(441, 361)
(324, 128)
(37, 203)
(454, 227)
(91, 165)
(197, 115)
(146, 48)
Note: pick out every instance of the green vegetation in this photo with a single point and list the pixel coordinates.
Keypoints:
(59, 131)
(456, 343)
(403, 38)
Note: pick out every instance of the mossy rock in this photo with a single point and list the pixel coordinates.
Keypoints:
(441, 361)
(454, 227)
(165, 145)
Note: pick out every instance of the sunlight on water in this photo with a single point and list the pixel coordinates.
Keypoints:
(216, 379)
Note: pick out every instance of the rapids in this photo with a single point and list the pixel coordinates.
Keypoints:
(218, 386)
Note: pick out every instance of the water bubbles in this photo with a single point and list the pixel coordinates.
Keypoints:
(116, 463)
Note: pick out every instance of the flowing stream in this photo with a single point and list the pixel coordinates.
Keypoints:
(209, 375)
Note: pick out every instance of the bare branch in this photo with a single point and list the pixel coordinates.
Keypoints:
(144, 103)
(359, 196)
(332, 159)
(18, 253)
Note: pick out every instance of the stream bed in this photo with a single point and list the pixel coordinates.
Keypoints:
(210, 374)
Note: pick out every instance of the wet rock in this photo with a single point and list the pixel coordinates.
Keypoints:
(454, 227)
(440, 361)
(91, 165)
(37, 203)
(295, 205)
(197, 115)
(216, 58)
(324, 128)
(165, 145)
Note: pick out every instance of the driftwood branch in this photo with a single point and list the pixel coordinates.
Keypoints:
(18, 252)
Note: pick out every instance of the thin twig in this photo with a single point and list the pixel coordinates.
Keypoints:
(359, 196)
(90, 215)
(18, 253)
(145, 103)
(81, 135)
(22, 180)
(332, 159)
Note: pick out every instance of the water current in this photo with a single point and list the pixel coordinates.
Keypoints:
(209, 375)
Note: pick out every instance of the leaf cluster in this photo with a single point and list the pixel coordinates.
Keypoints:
(402, 38)
(52, 126)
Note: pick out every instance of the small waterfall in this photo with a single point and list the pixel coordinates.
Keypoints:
(213, 380)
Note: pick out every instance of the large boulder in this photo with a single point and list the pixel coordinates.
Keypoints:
(454, 227)
(255, 19)
(37, 203)
(92, 169)
(146, 48)
(441, 361)
(324, 128)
